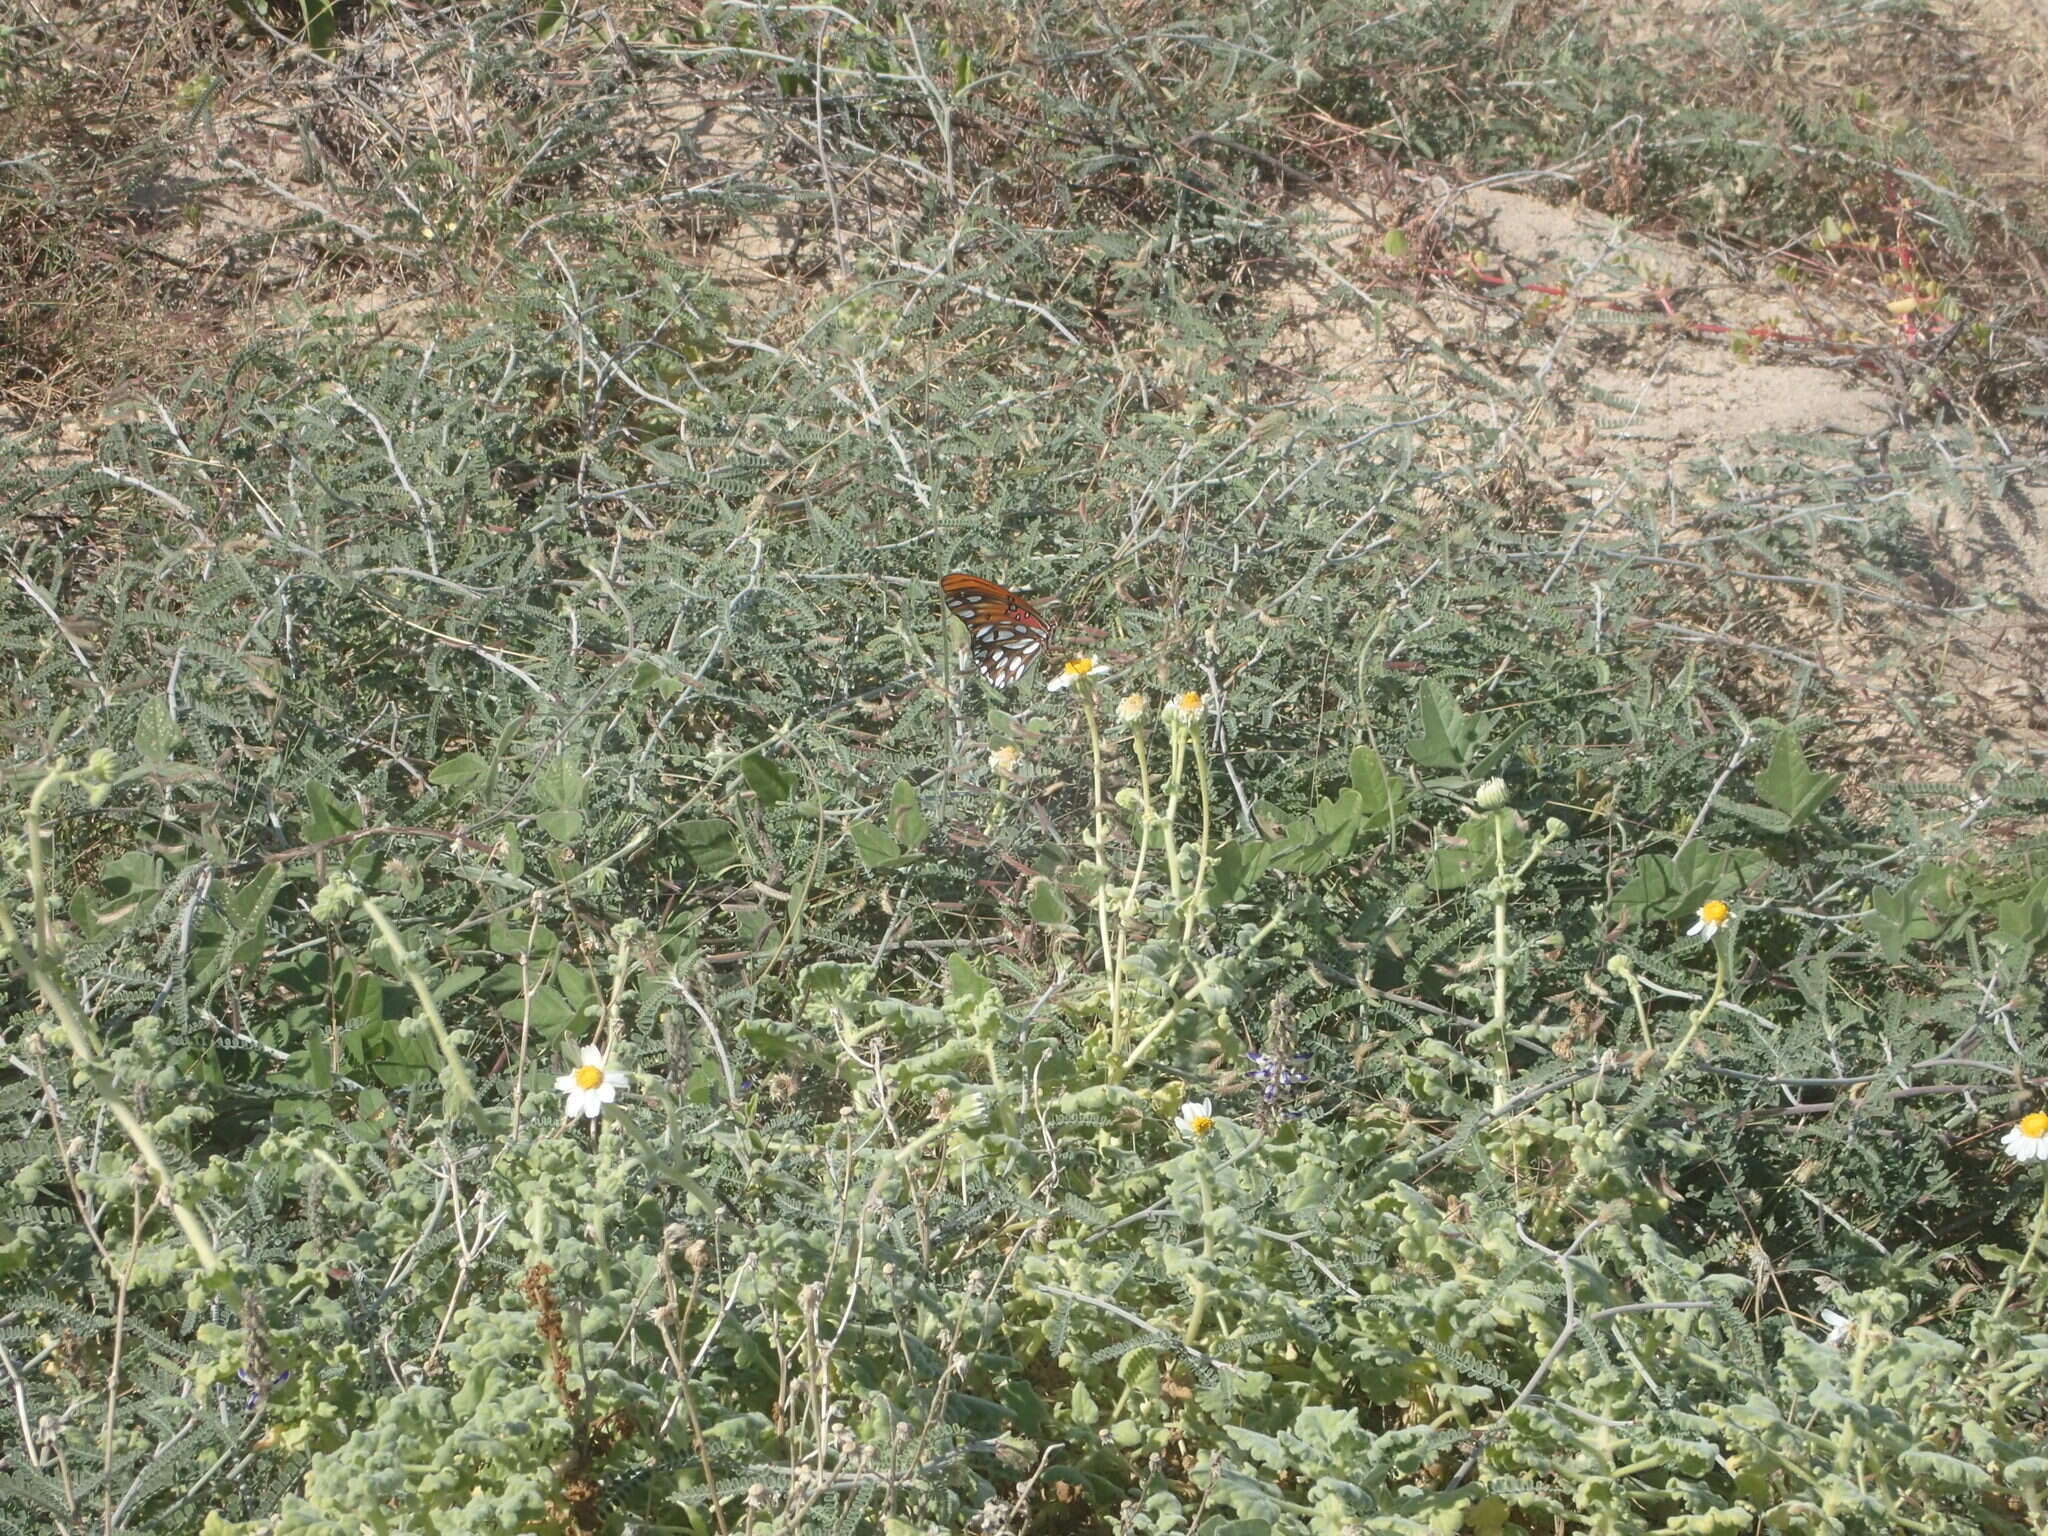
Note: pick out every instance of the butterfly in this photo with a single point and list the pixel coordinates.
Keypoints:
(1004, 633)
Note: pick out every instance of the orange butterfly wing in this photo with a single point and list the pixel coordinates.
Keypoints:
(1005, 634)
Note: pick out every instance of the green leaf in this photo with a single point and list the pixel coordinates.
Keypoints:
(318, 17)
(1236, 866)
(514, 939)
(1329, 1432)
(1789, 786)
(458, 980)
(1665, 887)
(581, 988)
(1899, 918)
(1324, 836)
(768, 782)
(1445, 734)
(876, 848)
(712, 844)
(1048, 908)
(157, 736)
(460, 771)
(546, 1011)
(1380, 794)
(1081, 1407)
(1777, 823)
(127, 888)
(779, 1040)
(965, 984)
(562, 789)
(2023, 923)
(907, 823)
(326, 815)
(1472, 855)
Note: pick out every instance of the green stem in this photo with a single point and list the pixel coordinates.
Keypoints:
(459, 1085)
(2012, 1278)
(38, 966)
(1170, 843)
(1139, 1051)
(1501, 886)
(1193, 1330)
(1187, 932)
(1692, 1028)
(1635, 991)
(1130, 902)
(1109, 956)
(1648, 1097)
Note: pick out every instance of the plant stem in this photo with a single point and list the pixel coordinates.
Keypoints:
(39, 967)
(2012, 1278)
(459, 1085)
(1130, 902)
(1504, 1075)
(1203, 1174)
(1187, 932)
(1109, 953)
(1169, 843)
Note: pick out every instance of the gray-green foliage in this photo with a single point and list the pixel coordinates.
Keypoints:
(602, 661)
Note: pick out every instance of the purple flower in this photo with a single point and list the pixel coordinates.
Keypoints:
(260, 1389)
(1277, 1075)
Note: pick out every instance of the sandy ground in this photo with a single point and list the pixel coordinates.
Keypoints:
(1628, 364)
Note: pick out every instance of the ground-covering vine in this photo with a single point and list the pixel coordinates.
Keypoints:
(545, 995)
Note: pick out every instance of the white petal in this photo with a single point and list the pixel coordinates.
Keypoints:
(592, 1056)
(617, 1080)
(1056, 683)
(566, 1083)
(1696, 929)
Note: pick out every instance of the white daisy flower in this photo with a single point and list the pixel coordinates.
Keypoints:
(1076, 669)
(1005, 761)
(1838, 1328)
(1130, 708)
(2027, 1142)
(590, 1087)
(1712, 915)
(1195, 1120)
(1183, 709)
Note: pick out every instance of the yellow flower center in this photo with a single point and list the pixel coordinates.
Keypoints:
(1080, 666)
(589, 1077)
(1190, 703)
(1201, 1125)
(2035, 1126)
(1714, 912)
